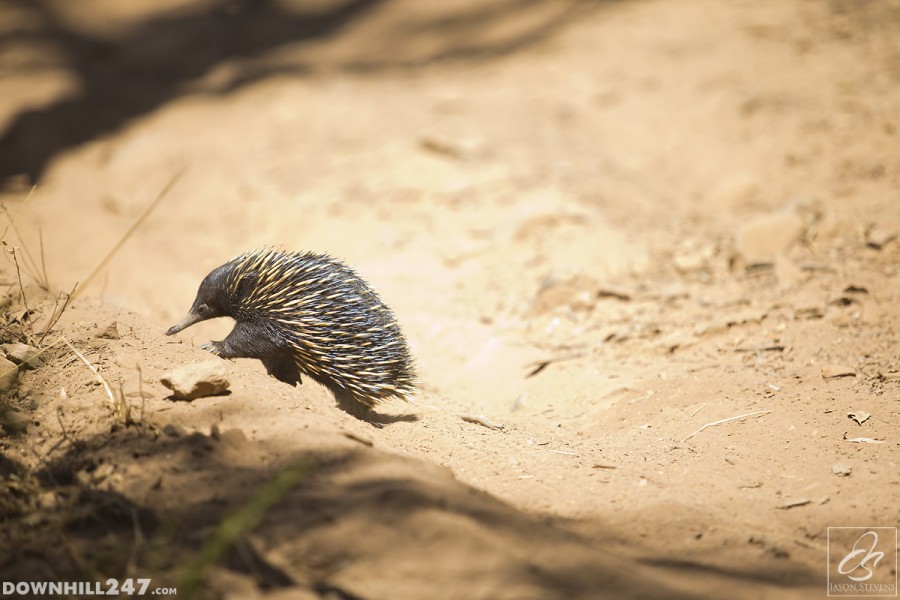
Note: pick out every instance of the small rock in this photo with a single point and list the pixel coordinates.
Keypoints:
(111, 332)
(197, 380)
(877, 238)
(794, 504)
(834, 371)
(842, 470)
(860, 417)
(760, 240)
(737, 190)
(786, 272)
(103, 472)
(14, 422)
(48, 500)
(174, 430)
(808, 305)
(690, 262)
(576, 293)
(234, 438)
(83, 477)
(9, 374)
(23, 354)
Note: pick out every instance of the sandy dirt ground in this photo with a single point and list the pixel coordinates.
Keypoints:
(644, 253)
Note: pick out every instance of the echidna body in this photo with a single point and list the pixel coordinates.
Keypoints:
(307, 313)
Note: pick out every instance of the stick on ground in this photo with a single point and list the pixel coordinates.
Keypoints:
(131, 230)
(112, 398)
(728, 420)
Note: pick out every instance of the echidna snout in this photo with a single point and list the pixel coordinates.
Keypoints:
(311, 314)
(207, 304)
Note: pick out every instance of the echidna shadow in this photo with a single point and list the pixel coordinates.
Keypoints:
(306, 313)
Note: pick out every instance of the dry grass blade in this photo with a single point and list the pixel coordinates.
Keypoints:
(141, 390)
(538, 366)
(63, 396)
(12, 218)
(147, 212)
(112, 398)
(239, 524)
(30, 264)
(55, 316)
(701, 407)
(123, 411)
(43, 261)
(728, 420)
(29, 334)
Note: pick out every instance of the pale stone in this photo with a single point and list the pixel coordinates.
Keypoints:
(760, 240)
(197, 380)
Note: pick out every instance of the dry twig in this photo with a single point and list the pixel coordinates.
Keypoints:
(539, 365)
(699, 408)
(54, 316)
(59, 417)
(728, 420)
(141, 390)
(12, 218)
(112, 398)
(30, 336)
(132, 229)
(30, 263)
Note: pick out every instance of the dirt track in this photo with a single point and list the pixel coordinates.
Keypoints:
(602, 225)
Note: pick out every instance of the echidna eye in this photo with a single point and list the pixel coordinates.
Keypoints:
(203, 308)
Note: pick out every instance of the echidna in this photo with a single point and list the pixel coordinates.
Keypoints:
(307, 313)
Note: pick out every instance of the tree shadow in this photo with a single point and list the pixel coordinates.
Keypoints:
(356, 523)
(159, 60)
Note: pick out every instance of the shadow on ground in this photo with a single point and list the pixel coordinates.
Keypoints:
(128, 75)
(137, 503)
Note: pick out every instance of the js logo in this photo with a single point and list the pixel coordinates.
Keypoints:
(862, 561)
(860, 556)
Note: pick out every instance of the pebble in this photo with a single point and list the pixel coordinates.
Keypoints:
(576, 293)
(197, 380)
(23, 354)
(174, 430)
(760, 240)
(689, 262)
(786, 272)
(110, 332)
(842, 470)
(14, 422)
(794, 504)
(877, 237)
(738, 190)
(9, 374)
(48, 500)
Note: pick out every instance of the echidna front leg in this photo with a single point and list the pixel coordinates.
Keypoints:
(248, 340)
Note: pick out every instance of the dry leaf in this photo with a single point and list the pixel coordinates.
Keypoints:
(859, 417)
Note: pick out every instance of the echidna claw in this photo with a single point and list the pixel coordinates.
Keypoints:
(211, 347)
